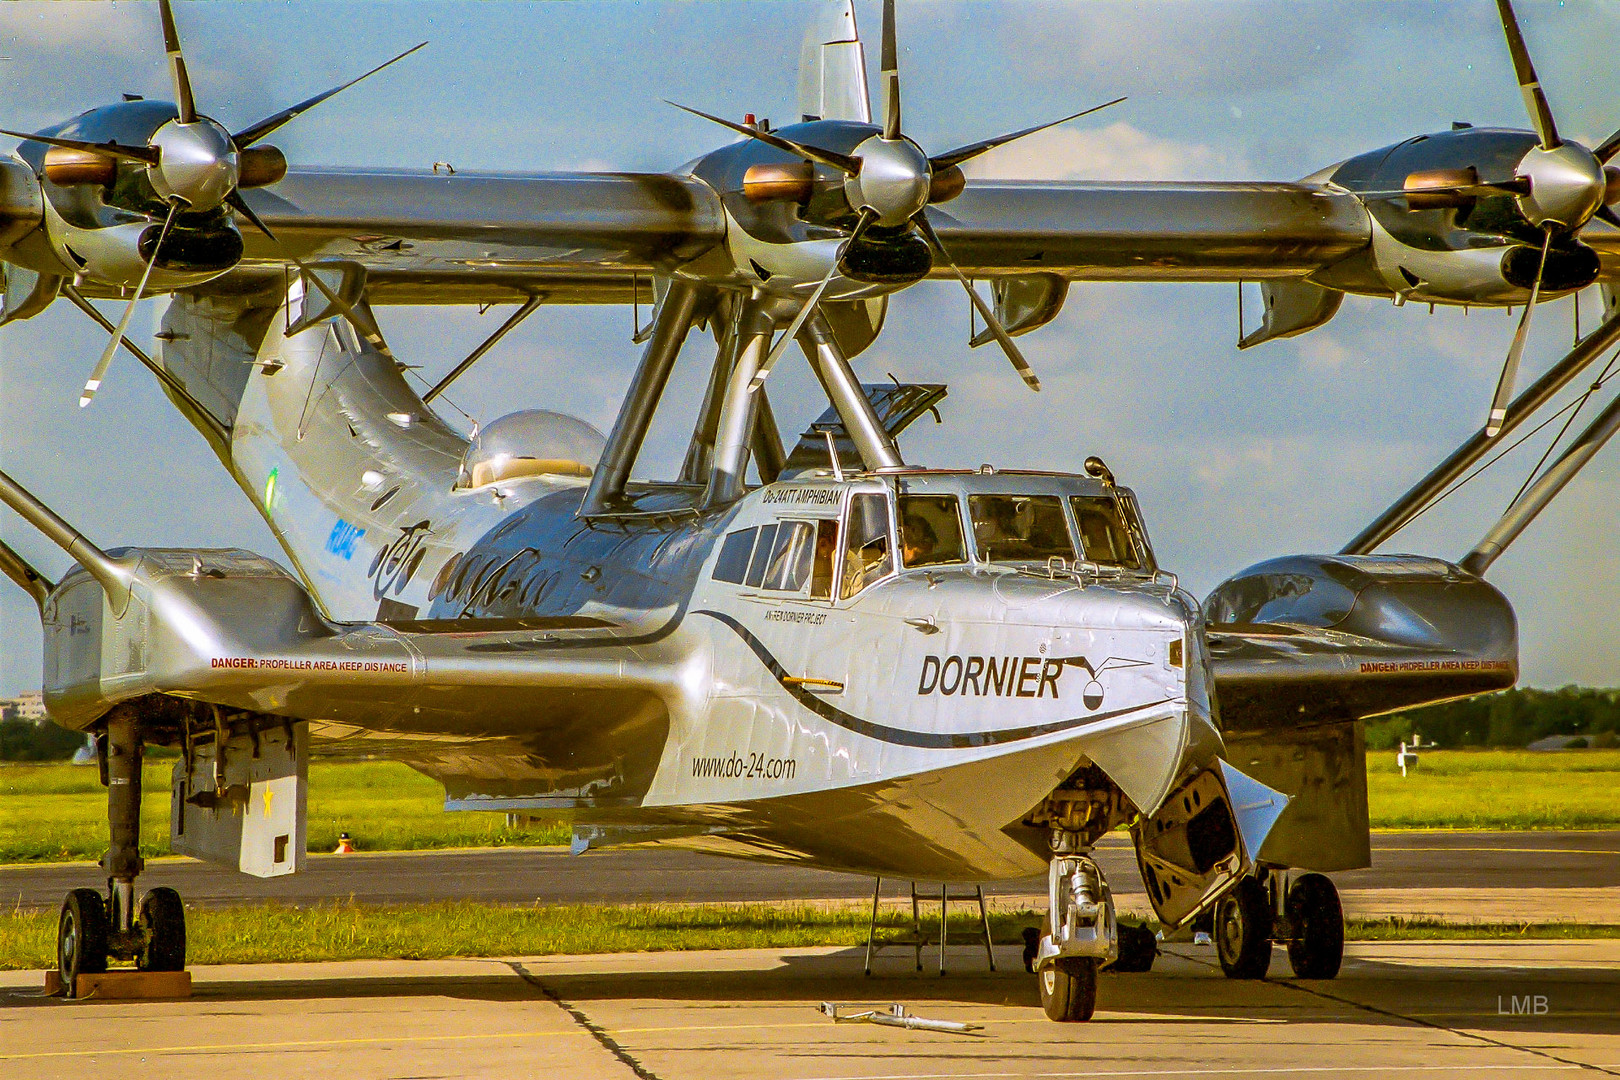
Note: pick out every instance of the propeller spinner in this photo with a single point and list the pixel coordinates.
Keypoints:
(890, 182)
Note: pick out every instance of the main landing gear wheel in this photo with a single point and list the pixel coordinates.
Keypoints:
(81, 937)
(163, 924)
(1316, 947)
(1243, 931)
(1068, 987)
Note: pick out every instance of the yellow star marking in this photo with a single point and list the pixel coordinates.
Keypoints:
(268, 793)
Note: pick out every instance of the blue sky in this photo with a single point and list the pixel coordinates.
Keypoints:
(1289, 447)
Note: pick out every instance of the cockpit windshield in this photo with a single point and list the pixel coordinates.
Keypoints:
(1020, 528)
(868, 556)
(1102, 532)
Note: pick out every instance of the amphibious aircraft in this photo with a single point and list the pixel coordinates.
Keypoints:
(854, 663)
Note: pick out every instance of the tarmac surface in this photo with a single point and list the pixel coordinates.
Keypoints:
(1527, 876)
(1429, 1009)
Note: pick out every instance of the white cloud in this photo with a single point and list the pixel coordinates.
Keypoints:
(1119, 151)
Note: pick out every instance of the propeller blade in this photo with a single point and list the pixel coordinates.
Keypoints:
(254, 132)
(867, 217)
(1607, 148)
(177, 66)
(1607, 214)
(1003, 338)
(366, 328)
(891, 75)
(143, 154)
(792, 332)
(968, 153)
(1529, 85)
(94, 382)
(849, 166)
(1510, 368)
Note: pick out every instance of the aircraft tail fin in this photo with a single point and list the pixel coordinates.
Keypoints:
(832, 67)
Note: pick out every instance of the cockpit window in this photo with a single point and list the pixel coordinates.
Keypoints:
(762, 557)
(867, 553)
(1102, 533)
(931, 530)
(790, 559)
(732, 565)
(821, 579)
(1020, 528)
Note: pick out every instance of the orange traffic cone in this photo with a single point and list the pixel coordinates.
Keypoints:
(345, 845)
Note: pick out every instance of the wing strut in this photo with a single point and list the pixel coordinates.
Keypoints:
(112, 573)
(523, 312)
(1523, 407)
(1543, 490)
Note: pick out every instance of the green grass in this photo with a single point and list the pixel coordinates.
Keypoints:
(1496, 789)
(57, 812)
(275, 933)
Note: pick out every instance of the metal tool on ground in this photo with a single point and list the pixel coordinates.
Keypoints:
(892, 1014)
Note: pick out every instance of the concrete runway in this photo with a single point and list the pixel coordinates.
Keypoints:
(1429, 1009)
(1512, 875)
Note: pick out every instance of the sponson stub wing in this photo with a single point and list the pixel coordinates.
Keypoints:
(1303, 647)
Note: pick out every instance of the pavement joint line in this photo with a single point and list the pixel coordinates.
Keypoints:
(1418, 1019)
(597, 1032)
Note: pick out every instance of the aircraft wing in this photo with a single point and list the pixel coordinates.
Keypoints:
(429, 238)
(1112, 231)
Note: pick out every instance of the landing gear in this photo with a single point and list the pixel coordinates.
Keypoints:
(81, 937)
(163, 928)
(1303, 913)
(1243, 930)
(1078, 935)
(1316, 922)
(93, 929)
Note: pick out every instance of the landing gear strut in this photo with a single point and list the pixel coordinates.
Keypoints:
(1304, 913)
(1079, 935)
(92, 929)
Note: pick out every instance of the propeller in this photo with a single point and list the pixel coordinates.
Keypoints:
(1558, 186)
(193, 163)
(890, 182)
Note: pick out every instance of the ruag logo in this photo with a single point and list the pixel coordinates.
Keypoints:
(343, 538)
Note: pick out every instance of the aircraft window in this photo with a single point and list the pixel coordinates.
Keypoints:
(1020, 528)
(1102, 532)
(826, 547)
(790, 561)
(732, 565)
(867, 554)
(762, 557)
(931, 530)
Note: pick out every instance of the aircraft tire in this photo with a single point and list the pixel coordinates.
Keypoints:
(163, 917)
(1317, 947)
(81, 937)
(1243, 931)
(1068, 987)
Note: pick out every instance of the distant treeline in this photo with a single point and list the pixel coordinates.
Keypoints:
(24, 740)
(1511, 718)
